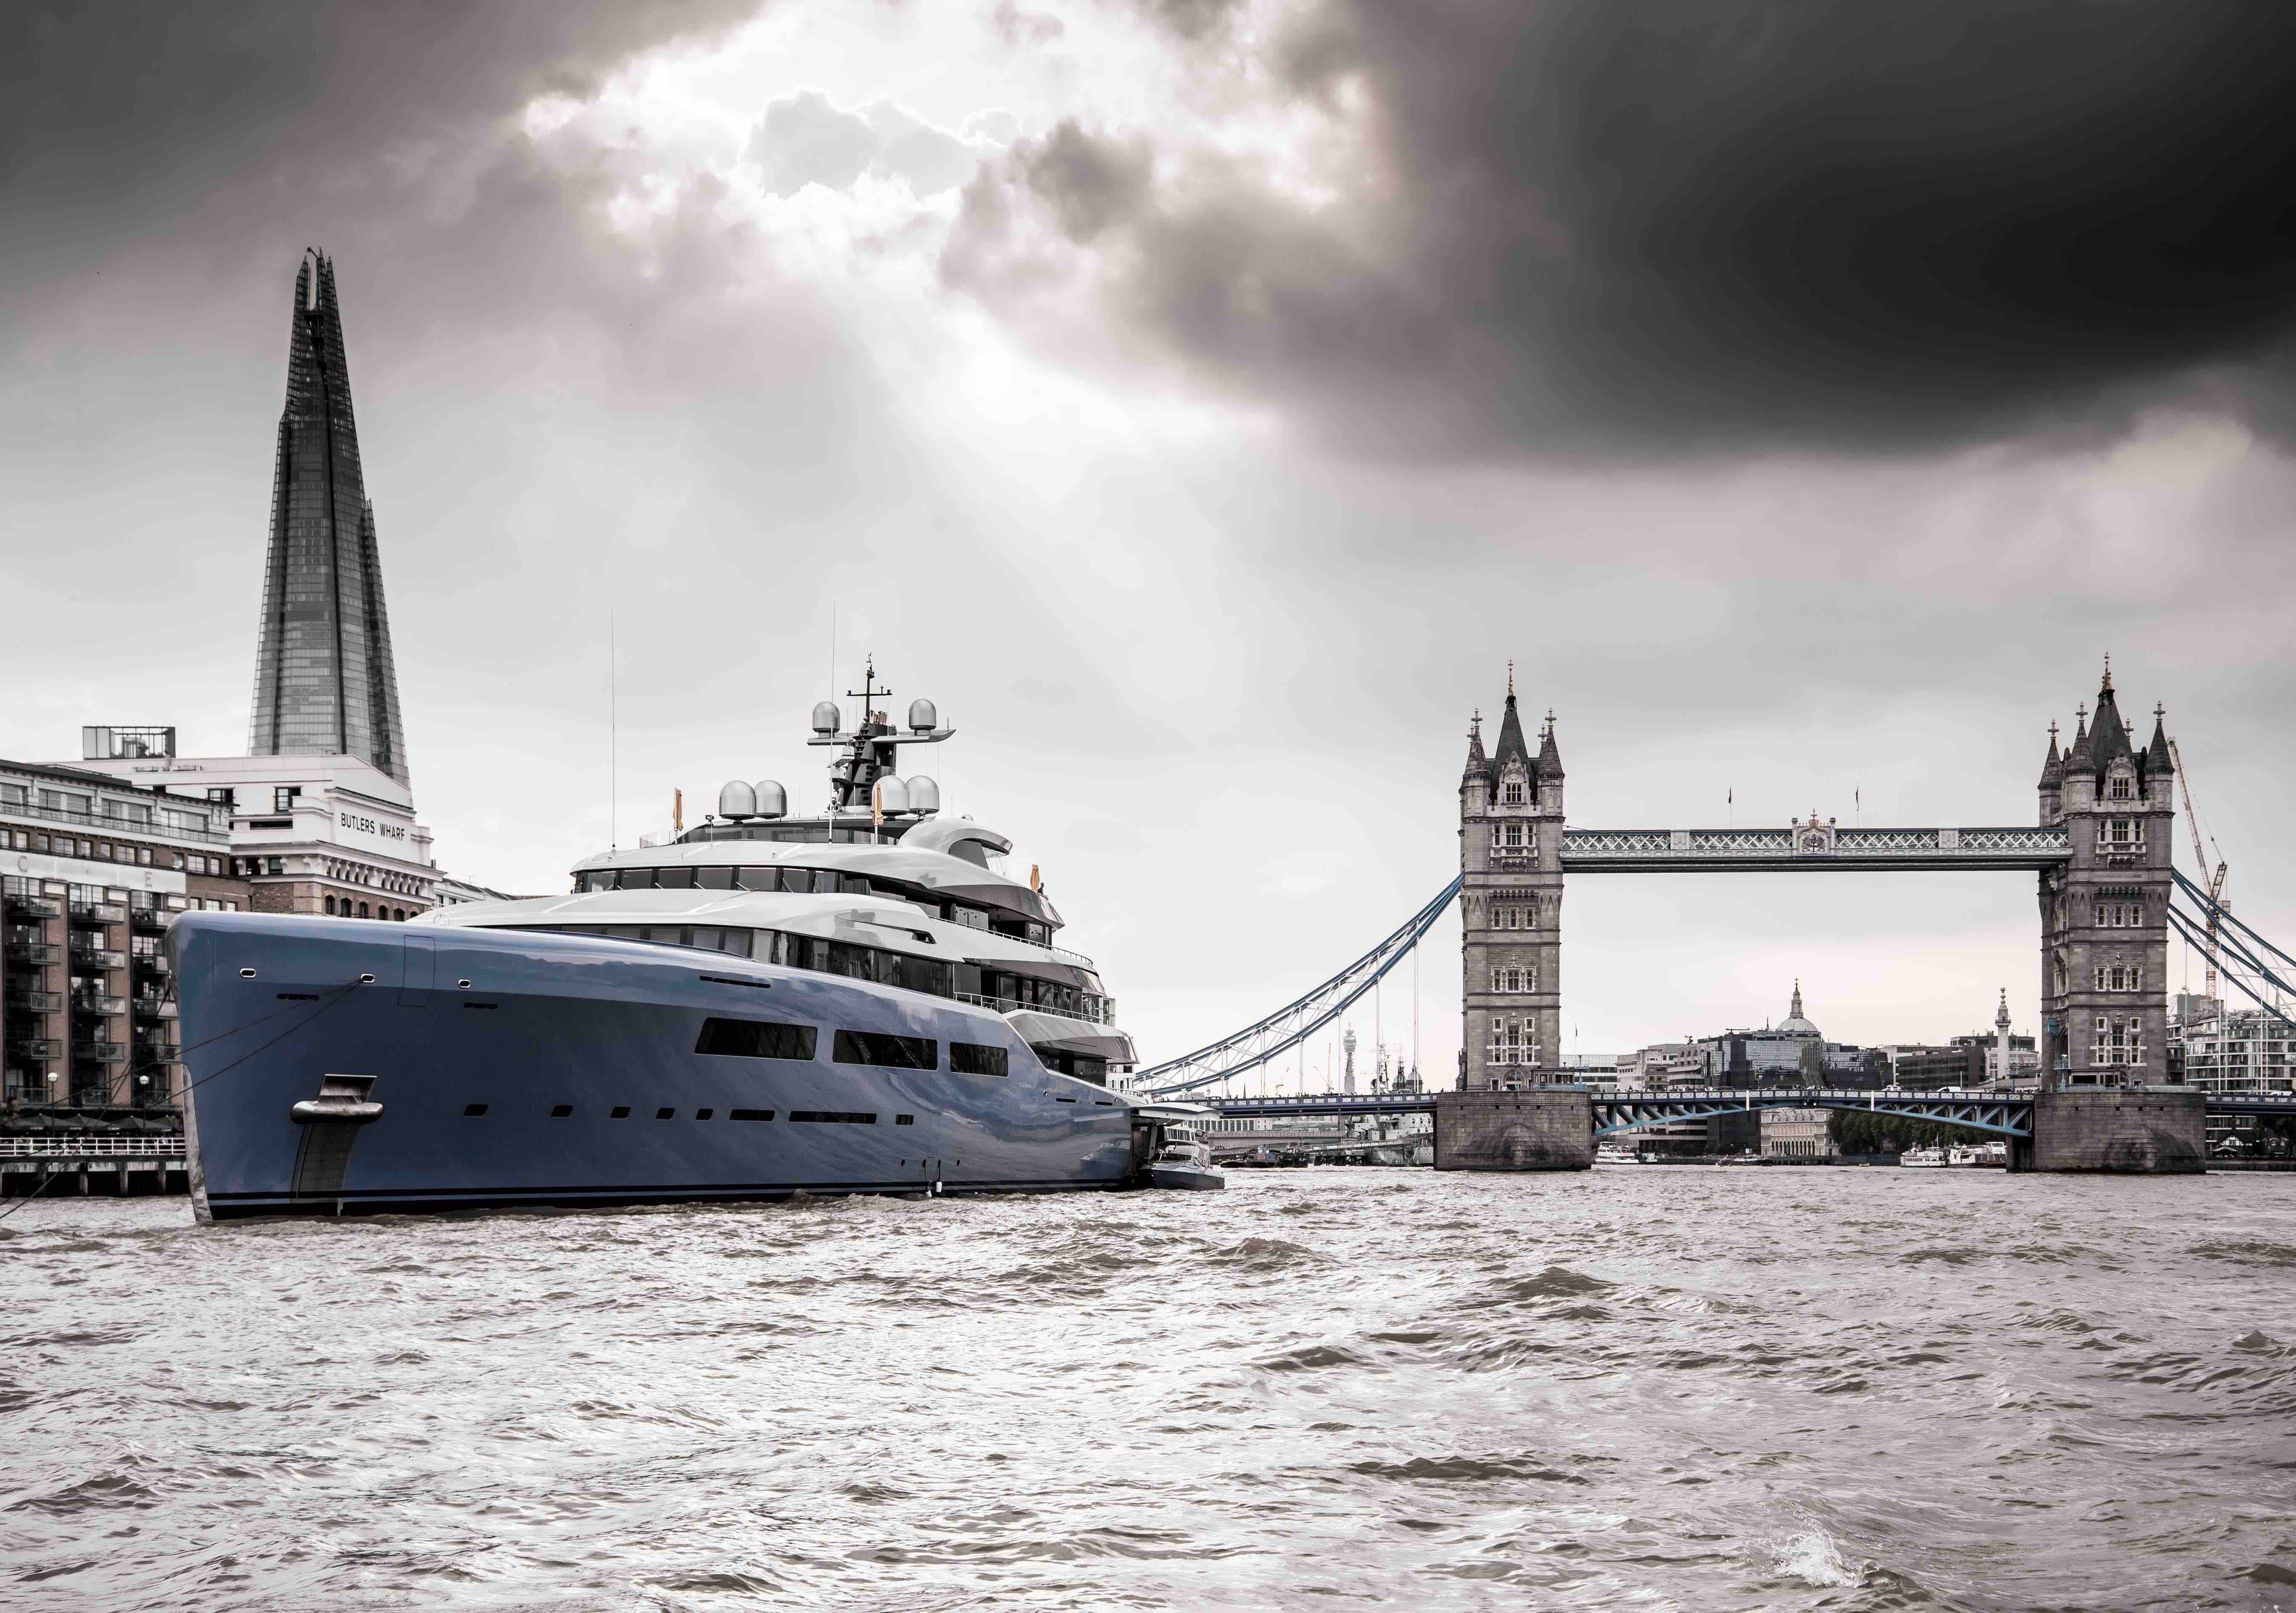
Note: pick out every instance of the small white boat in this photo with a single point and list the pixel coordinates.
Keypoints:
(1922, 1158)
(1184, 1160)
(1610, 1153)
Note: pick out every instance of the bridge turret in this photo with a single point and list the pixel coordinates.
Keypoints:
(2052, 783)
(2159, 767)
(2104, 941)
(1510, 906)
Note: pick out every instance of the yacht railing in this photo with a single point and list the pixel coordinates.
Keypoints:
(1094, 1011)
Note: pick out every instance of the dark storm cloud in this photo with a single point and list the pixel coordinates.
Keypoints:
(1664, 226)
(124, 121)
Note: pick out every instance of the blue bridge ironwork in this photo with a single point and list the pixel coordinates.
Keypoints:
(2004, 1114)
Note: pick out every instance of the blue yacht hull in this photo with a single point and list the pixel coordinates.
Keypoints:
(498, 1068)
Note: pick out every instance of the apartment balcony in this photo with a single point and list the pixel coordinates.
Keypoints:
(150, 921)
(97, 1003)
(33, 952)
(99, 1052)
(25, 905)
(35, 1001)
(96, 957)
(152, 963)
(148, 1007)
(34, 1047)
(91, 914)
(158, 1052)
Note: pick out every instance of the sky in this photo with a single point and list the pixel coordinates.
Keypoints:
(1204, 401)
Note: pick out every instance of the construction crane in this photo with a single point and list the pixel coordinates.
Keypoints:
(2201, 848)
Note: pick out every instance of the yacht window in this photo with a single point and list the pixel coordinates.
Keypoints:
(797, 879)
(676, 879)
(714, 879)
(761, 879)
(972, 1058)
(636, 879)
(752, 1114)
(851, 884)
(876, 1047)
(755, 1039)
(834, 1116)
(927, 975)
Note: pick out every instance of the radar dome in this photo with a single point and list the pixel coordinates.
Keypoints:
(737, 800)
(924, 795)
(772, 800)
(893, 795)
(923, 717)
(826, 718)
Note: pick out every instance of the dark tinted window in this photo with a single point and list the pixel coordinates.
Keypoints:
(703, 1114)
(846, 959)
(474, 1108)
(972, 1058)
(894, 1052)
(755, 1039)
(833, 1116)
(714, 879)
(799, 880)
(558, 1111)
(664, 1114)
(751, 1114)
(620, 1112)
(636, 879)
(759, 879)
(852, 884)
(904, 1119)
(919, 974)
(676, 879)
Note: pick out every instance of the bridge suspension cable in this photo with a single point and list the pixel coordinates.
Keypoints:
(1292, 1024)
(2216, 929)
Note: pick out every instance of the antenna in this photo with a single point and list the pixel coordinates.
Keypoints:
(613, 742)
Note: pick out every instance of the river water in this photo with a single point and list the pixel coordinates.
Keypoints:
(1634, 1388)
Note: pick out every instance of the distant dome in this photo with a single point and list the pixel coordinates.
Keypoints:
(1794, 1024)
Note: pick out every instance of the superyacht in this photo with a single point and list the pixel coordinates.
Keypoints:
(861, 1001)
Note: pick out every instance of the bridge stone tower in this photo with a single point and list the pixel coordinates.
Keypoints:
(1511, 904)
(2104, 926)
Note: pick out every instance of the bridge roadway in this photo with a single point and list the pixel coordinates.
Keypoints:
(2007, 1114)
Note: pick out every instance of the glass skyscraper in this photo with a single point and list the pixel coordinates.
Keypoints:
(324, 682)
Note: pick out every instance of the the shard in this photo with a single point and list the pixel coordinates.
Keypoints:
(324, 682)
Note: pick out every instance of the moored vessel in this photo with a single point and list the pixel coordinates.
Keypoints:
(1183, 1159)
(862, 1001)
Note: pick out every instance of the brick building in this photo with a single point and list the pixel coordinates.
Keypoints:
(91, 870)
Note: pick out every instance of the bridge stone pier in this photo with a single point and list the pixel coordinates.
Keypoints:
(2100, 847)
(2161, 1132)
(1515, 1131)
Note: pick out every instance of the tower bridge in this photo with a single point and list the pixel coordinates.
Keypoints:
(2100, 852)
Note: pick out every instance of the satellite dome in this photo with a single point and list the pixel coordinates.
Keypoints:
(924, 795)
(893, 795)
(923, 717)
(772, 800)
(827, 718)
(737, 800)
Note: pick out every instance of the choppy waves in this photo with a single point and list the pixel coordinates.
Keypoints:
(1665, 1389)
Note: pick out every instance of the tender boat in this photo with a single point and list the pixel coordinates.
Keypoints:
(861, 1001)
(1611, 1153)
(1922, 1158)
(1184, 1160)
